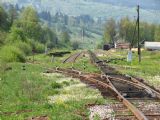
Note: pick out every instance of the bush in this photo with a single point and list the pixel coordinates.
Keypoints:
(11, 54)
(66, 83)
(39, 48)
(25, 47)
(56, 85)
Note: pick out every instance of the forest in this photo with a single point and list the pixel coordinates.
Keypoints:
(22, 34)
(24, 31)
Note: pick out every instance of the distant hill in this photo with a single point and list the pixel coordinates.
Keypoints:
(145, 4)
(105, 9)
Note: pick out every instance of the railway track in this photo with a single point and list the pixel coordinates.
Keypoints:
(137, 100)
(130, 108)
(73, 57)
(131, 92)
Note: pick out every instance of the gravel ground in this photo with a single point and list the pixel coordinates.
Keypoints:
(102, 112)
(149, 107)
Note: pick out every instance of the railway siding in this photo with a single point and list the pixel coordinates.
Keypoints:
(130, 91)
(133, 93)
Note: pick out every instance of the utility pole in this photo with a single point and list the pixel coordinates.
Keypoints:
(139, 46)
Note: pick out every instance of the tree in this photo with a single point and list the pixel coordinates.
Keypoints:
(49, 37)
(26, 27)
(3, 25)
(26, 32)
(29, 23)
(152, 32)
(12, 14)
(2, 37)
(75, 45)
(147, 31)
(123, 28)
(65, 38)
(110, 31)
(157, 34)
(126, 29)
(45, 15)
(3, 19)
(16, 35)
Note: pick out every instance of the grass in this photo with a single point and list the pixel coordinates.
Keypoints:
(147, 69)
(56, 85)
(149, 64)
(26, 92)
(82, 64)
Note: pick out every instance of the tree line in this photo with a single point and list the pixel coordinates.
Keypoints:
(125, 30)
(22, 32)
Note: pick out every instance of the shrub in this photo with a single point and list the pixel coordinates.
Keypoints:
(11, 54)
(75, 45)
(66, 83)
(39, 48)
(56, 85)
(25, 47)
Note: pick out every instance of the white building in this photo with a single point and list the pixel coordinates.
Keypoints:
(152, 45)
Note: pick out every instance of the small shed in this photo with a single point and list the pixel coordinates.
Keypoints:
(152, 45)
(122, 45)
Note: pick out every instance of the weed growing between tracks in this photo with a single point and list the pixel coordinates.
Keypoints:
(82, 64)
(26, 92)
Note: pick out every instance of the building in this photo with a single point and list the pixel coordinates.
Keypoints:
(152, 45)
(122, 45)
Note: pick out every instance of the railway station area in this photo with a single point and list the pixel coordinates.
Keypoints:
(79, 60)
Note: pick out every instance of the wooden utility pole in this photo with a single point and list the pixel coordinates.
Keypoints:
(139, 46)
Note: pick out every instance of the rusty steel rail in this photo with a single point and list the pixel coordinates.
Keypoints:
(73, 57)
(139, 115)
(133, 81)
(157, 94)
(74, 73)
(107, 85)
(106, 80)
(139, 85)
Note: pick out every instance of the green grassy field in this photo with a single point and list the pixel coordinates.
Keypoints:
(45, 61)
(27, 92)
(148, 69)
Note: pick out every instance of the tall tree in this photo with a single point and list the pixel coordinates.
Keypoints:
(2, 37)
(29, 22)
(3, 25)
(49, 37)
(12, 14)
(3, 19)
(65, 38)
(157, 34)
(126, 29)
(110, 31)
